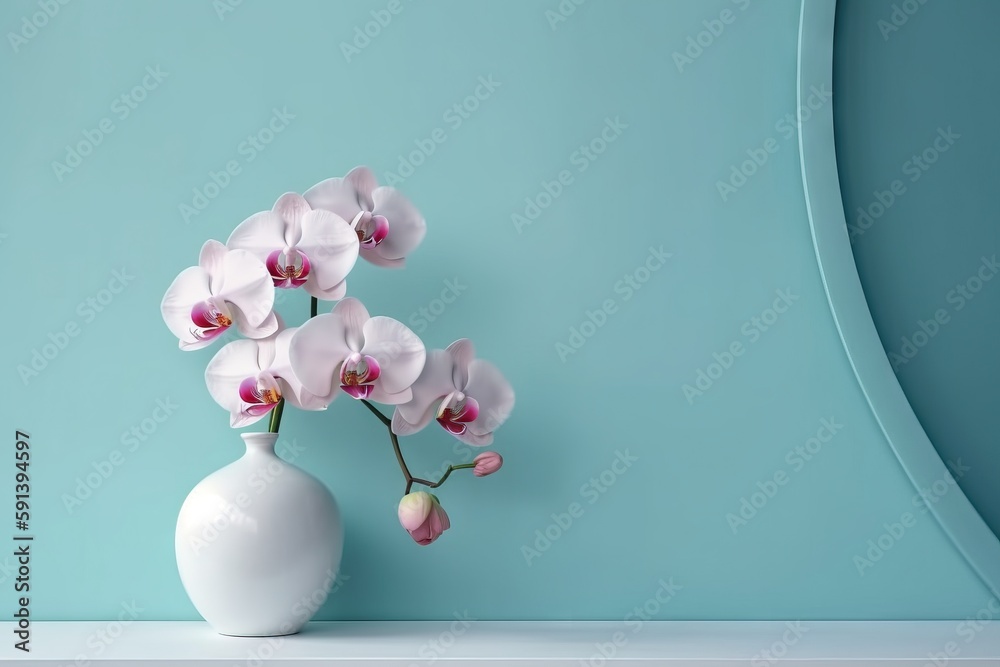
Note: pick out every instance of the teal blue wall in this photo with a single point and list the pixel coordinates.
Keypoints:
(927, 258)
(657, 184)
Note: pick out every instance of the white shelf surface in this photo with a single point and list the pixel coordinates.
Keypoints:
(519, 644)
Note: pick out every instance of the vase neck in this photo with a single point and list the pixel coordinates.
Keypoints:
(260, 443)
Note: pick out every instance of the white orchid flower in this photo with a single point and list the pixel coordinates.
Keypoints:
(301, 247)
(249, 377)
(468, 397)
(227, 287)
(388, 226)
(375, 358)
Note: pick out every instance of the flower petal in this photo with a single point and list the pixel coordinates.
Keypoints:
(211, 319)
(380, 395)
(399, 352)
(414, 509)
(335, 293)
(303, 270)
(359, 369)
(248, 390)
(292, 388)
(260, 234)
(452, 427)
(266, 328)
(358, 374)
(494, 394)
(187, 289)
(374, 232)
(372, 256)
(364, 183)
(331, 245)
(406, 226)
(337, 195)
(259, 393)
(247, 285)
(439, 521)
(316, 351)
(358, 391)
(201, 344)
(434, 383)
(463, 352)
(291, 207)
(211, 259)
(354, 315)
(402, 427)
(241, 419)
(460, 408)
(487, 463)
(259, 409)
(230, 366)
(474, 440)
(267, 348)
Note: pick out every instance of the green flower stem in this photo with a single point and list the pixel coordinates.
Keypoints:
(276, 416)
(410, 479)
(313, 306)
(395, 443)
(378, 413)
(434, 485)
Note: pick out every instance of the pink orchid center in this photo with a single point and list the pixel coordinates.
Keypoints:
(371, 229)
(289, 268)
(260, 394)
(358, 375)
(456, 411)
(210, 318)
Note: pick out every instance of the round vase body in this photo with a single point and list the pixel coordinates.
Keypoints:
(258, 544)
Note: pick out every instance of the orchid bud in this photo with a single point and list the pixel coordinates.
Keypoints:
(487, 463)
(422, 516)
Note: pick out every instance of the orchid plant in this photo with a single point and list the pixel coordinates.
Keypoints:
(312, 241)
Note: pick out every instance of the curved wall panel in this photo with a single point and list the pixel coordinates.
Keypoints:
(917, 144)
(936, 481)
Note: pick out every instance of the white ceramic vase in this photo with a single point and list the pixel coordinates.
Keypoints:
(258, 544)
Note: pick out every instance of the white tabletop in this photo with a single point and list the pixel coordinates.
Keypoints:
(571, 643)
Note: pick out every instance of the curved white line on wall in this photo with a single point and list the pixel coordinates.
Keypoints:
(892, 410)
